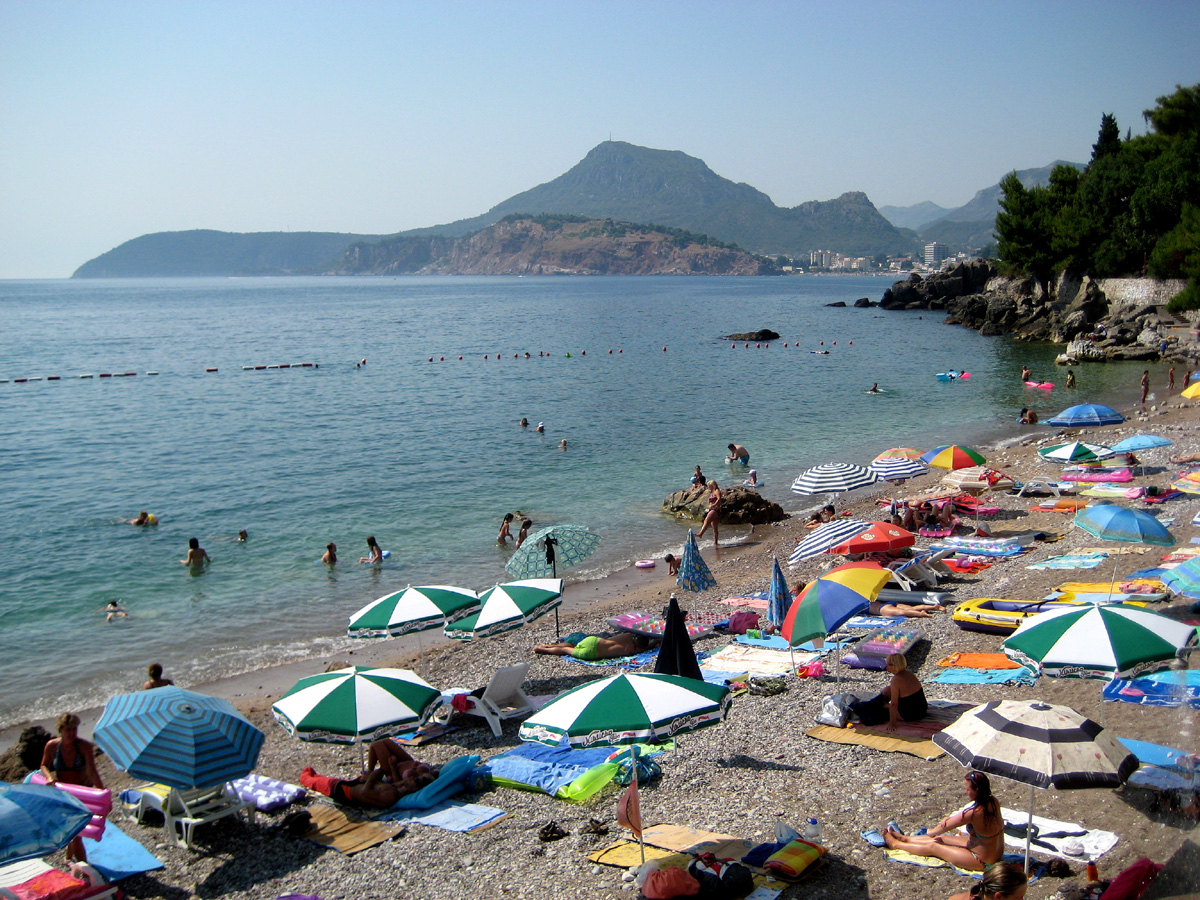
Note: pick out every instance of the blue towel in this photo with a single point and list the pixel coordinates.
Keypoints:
(959, 675)
(116, 855)
(449, 816)
(869, 622)
(1150, 692)
(622, 662)
(543, 767)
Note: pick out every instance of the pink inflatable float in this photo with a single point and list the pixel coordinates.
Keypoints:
(97, 800)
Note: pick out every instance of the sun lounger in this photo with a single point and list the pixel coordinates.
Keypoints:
(502, 699)
(34, 879)
(184, 811)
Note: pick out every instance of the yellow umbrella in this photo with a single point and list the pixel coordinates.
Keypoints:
(1192, 392)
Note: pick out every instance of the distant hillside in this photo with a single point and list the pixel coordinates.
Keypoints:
(177, 254)
(666, 187)
(913, 216)
(553, 245)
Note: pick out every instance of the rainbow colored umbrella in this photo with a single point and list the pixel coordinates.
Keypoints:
(1189, 483)
(831, 599)
(952, 456)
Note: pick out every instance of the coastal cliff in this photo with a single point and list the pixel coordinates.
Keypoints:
(1097, 319)
(553, 245)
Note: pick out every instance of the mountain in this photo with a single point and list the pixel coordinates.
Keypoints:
(913, 216)
(178, 254)
(553, 245)
(667, 187)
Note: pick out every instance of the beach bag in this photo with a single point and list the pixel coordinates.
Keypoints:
(673, 881)
(1132, 882)
(792, 860)
(719, 880)
(741, 622)
(647, 771)
(835, 710)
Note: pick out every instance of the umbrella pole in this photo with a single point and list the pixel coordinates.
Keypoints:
(421, 654)
(1029, 828)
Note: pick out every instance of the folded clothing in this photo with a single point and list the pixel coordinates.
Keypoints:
(794, 858)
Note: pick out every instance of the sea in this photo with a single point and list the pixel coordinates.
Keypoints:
(405, 427)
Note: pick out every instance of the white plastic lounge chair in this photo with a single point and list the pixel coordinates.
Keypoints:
(501, 699)
(183, 811)
(84, 882)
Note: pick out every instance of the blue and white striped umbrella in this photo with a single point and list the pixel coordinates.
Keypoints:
(833, 478)
(898, 469)
(825, 538)
(36, 820)
(178, 738)
(694, 574)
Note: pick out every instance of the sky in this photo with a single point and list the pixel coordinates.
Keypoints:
(119, 119)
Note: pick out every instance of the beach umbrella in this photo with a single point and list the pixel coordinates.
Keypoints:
(899, 453)
(694, 574)
(358, 704)
(1086, 414)
(178, 738)
(829, 600)
(779, 598)
(880, 537)
(627, 709)
(1138, 442)
(1189, 482)
(1075, 452)
(953, 457)
(1111, 522)
(549, 549)
(898, 469)
(508, 606)
(977, 478)
(1038, 744)
(826, 537)
(1099, 641)
(1184, 578)
(676, 655)
(1191, 392)
(37, 819)
(413, 609)
(833, 478)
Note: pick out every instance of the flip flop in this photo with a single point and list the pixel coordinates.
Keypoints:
(551, 831)
(873, 837)
(895, 826)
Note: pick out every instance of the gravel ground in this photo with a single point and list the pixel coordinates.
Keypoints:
(739, 778)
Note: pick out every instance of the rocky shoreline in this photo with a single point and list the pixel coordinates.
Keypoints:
(738, 778)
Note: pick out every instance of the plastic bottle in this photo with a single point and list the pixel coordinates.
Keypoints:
(812, 832)
(1093, 874)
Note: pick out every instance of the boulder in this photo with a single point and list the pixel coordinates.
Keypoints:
(863, 303)
(25, 755)
(739, 506)
(838, 303)
(763, 334)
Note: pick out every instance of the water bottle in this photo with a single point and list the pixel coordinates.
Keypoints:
(812, 832)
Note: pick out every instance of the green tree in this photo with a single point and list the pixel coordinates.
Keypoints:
(1109, 140)
(1176, 114)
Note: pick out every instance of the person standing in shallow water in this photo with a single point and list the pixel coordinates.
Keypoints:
(505, 533)
(1145, 385)
(197, 557)
(374, 551)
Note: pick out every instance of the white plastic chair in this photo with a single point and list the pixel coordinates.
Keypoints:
(501, 699)
(183, 811)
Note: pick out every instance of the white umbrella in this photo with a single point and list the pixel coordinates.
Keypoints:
(1038, 744)
(894, 469)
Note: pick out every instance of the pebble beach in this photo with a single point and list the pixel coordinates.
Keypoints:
(739, 778)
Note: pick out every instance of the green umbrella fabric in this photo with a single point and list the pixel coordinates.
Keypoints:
(549, 549)
(412, 609)
(508, 606)
(1104, 641)
(355, 704)
(1076, 451)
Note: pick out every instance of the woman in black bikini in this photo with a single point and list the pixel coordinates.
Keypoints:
(902, 700)
(982, 845)
(713, 515)
(70, 759)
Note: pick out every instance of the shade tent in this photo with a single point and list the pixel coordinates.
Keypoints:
(830, 599)
(826, 537)
(779, 598)
(508, 606)
(880, 537)
(1138, 442)
(892, 469)
(952, 456)
(549, 549)
(1076, 452)
(694, 574)
(1111, 522)
(413, 609)
(676, 655)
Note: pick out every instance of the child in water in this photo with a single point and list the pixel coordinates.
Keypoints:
(114, 610)
(505, 534)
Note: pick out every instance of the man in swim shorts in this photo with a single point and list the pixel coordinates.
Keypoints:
(594, 646)
(739, 453)
(372, 790)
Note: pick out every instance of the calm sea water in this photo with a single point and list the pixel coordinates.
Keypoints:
(427, 456)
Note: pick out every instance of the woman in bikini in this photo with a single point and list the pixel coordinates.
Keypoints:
(70, 759)
(982, 845)
(713, 515)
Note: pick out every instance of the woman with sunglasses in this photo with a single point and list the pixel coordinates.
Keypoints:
(983, 843)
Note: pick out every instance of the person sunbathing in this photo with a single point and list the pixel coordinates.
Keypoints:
(596, 646)
(902, 700)
(370, 790)
(982, 845)
(903, 610)
(399, 766)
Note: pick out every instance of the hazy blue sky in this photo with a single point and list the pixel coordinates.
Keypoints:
(123, 118)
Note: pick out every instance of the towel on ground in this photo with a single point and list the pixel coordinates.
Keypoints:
(1094, 843)
(116, 855)
(449, 816)
(621, 662)
(1159, 689)
(737, 657)
(965, 566)
(1020, 675)
(932, 862)
(965, 660)
(869, 622)
(1070, 561)
(754, 600)
(544, 768)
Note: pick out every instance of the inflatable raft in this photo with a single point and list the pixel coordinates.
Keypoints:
(1098, 475)
(993, 615)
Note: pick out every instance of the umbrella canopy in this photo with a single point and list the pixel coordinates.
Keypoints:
(880, 537)
(549, 549)
(694, 574)
(1191, 392)
(898, 469)
(1076, 451)
(1111, 522)
(953, 457)
(1038, 744)
(1140, 442)
(508, 606)
(675, 655)
(779, 598)
(628, 709)
(355, 704)
(899, 453)
(1086, 414)
(1189, 483)
(826, 537)
(1102, 641)
(178, 738)
(37, 819)
(1184, 578)
(831, 599)
(413, 609)
(977, 478)
(833, 478)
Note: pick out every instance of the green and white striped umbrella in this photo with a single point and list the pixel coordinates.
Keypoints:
(508, 606)
(355, 704)
(1110, 641)
(413, 609)
(628, 709)
(1076, 451)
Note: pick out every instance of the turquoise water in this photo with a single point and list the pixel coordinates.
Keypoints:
(427, 456)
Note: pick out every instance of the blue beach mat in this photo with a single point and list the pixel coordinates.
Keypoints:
(621, 662)
(116, 855)
(1160, 689)
(449, 816)
(1070, 561)
(957, 675)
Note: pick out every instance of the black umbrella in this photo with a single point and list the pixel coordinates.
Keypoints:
(676, 656)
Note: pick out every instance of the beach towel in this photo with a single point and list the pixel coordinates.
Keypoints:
(755, 600)
(914, 738)
(452, 778)
(965, 566)
(1070, 561)
(869, 622)
(449, 815)
(332, 827)
(1152, 587)
(737, 657)
(267, 794)
(1161, 689)
(1019, 675)
(792, 860)
(564, 772)
(932, 862)
(965, 660)
(979, 547)
(621, 662)
(1149, 754)
(116, 855)
(1093, 842)
(424, 735)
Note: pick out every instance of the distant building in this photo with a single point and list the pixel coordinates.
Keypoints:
(935, 254)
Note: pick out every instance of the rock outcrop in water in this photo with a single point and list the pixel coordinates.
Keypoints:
(739, 506)
(25, 755)
(763, 334)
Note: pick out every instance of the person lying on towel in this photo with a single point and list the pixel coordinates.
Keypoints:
(911, 610)
(594, 646)
(370, 790)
